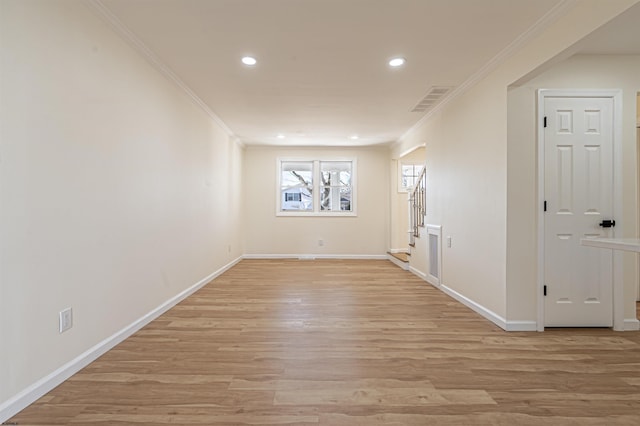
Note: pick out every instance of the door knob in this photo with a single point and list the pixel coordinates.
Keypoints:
(608, 223)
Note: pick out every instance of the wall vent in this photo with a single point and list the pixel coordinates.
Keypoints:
(434, 271)
(434, 233)
(433, 96)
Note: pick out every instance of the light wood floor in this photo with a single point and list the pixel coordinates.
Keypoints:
(402, 257)
(346, 343)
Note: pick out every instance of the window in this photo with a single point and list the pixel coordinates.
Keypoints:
(296, 185)
(335, 189)
(408, 173)
(316, 187)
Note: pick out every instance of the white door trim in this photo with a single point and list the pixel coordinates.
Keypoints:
(618, 284)
(638, 193)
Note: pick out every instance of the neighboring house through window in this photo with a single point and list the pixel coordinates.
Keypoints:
(296, 186)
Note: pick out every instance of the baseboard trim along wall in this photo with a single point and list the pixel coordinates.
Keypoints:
(419, 274)
(398, 250)
(522, 326)
(631, 324)
(17, 403)
(488, 314)
(316, 256)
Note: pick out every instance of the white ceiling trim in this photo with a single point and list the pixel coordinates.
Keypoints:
(409, 151)
(126, 34)
(552, 15)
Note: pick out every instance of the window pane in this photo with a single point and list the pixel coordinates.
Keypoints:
(296, 181)
(410, 174)
(329, 198)
(345, 199)
(408, 181)
(409, 170)
(325, 198)
(296, 199)
(345, 178)
(335, 173)
(297, 165)
(297, 174)
(335, 192)
(335, 198)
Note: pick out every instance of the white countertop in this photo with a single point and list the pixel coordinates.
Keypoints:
(626, 244)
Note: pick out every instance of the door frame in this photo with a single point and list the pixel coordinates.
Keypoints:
(638, 194)
(618, 283)
(638, 190)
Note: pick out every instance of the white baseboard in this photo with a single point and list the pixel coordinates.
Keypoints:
(631, 324)
(522, 326)
(488, 314)
(399, 250)
(17, 403)
(418, 273)
(316, 256)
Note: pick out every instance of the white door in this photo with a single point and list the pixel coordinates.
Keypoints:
(578, 190)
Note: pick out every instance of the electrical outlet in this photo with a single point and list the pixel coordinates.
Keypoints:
(66, 319)
(320, 242)
(449, 242)
(229, 248)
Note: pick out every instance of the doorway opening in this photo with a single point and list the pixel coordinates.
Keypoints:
(405, 170)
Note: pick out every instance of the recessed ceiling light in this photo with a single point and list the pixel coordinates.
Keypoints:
(249, 60)
(280, 136)
(397, 62)
(353, 137)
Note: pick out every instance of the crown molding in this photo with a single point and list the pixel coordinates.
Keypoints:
(126, 34)
(537, 28)
(238, 142)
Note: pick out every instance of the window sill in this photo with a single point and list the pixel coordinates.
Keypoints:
(317, 214)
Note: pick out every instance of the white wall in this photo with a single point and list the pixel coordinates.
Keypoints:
(578, 72)
(467, 162)
(116, 191)
(268, 234)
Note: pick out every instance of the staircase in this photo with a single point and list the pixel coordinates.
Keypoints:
(417, 207)
(417, 211)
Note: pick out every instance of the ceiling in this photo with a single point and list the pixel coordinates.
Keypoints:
(322, 76)
(620, 36)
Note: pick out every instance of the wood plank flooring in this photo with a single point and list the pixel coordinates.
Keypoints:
(402, 257)
(337, 342)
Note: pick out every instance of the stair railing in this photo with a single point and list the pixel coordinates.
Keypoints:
(417, 206)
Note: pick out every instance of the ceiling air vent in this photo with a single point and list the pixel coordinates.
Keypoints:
(433, 96)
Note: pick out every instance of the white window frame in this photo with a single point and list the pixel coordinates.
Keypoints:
(316, 212)
(418, 164)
